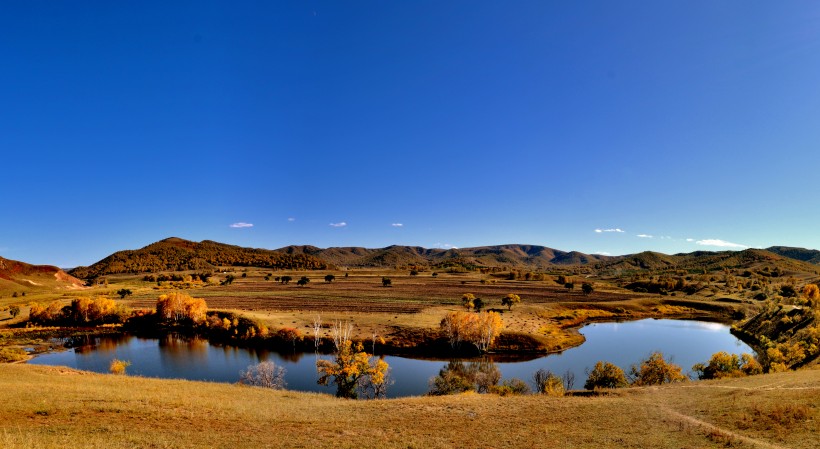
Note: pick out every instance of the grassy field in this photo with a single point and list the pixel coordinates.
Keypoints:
(549, 314)
(57, 407)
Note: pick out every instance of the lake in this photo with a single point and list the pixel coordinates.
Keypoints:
(624, 344)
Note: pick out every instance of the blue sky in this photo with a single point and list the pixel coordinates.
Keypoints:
(685, 125)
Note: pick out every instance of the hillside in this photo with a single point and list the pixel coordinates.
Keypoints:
(175, 254)
(806, 255)
(59, 407)
(22, 277)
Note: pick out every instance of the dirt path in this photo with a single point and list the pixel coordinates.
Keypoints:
(717, 430)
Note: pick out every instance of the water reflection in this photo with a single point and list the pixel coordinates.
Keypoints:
(623, 344)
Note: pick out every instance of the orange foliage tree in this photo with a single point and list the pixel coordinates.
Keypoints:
(178, 306)
(480, 329)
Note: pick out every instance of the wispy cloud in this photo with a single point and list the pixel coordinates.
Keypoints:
(720, 243)
(690, 240)
(602, 253)
(444, 246)
(396, 225)
(645, 236)
(609, 230)
(291, 219)
(242, 225)
(340, 224)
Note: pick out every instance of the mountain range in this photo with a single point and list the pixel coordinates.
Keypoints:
(175, 254)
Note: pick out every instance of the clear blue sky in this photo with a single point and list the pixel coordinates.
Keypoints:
(467, 122)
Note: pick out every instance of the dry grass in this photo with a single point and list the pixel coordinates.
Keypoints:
(58, 407)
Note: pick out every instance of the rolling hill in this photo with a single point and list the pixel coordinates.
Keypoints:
(22, 277)
(175, 254)
(806, 255)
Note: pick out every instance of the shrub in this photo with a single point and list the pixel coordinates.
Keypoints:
(512, 387)
(118, 366)
(656, 371)
(548, 383)
(606, 375)
(723, 364)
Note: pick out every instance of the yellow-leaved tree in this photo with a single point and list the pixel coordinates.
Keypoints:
(352, 370)
(178, 306)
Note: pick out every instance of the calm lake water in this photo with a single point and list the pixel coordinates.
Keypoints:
(625, 343)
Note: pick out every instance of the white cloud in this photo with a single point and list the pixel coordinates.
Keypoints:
(397, 225)
(645, 236)
(609, 230)
(602, 253)
(444, 246)
(340, 224)
(291, 219)
(720, 243)
(242, 225)
(690, 240)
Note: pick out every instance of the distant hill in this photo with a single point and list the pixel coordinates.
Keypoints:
(22, 277)
(803, 254)
(512, 256)
(176, 254)
(750, 259)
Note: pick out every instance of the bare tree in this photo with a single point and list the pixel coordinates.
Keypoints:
(317, 327)
(264, 374)
(341, 331)
(569, 380)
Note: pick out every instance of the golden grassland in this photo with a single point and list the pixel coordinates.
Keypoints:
(43, 407)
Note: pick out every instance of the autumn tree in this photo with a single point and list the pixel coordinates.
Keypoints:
(812, 293)
(264, 374)
(509, 300)
(177, 306)
(330, 278)
(606, 375)
(14, 311)
(289, 334)
(656, 371)
(587, 288)
(304, 280)
(722, 365)
(285, 279)
(351, 369)
(467, 300)
(479, 329)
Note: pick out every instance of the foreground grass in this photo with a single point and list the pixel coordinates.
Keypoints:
(58, 407)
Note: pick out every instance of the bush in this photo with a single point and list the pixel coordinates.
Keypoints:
(656, 371)
(548, 383)
(723, 364)
(118, 366)
(511, 387)
(606, 375)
